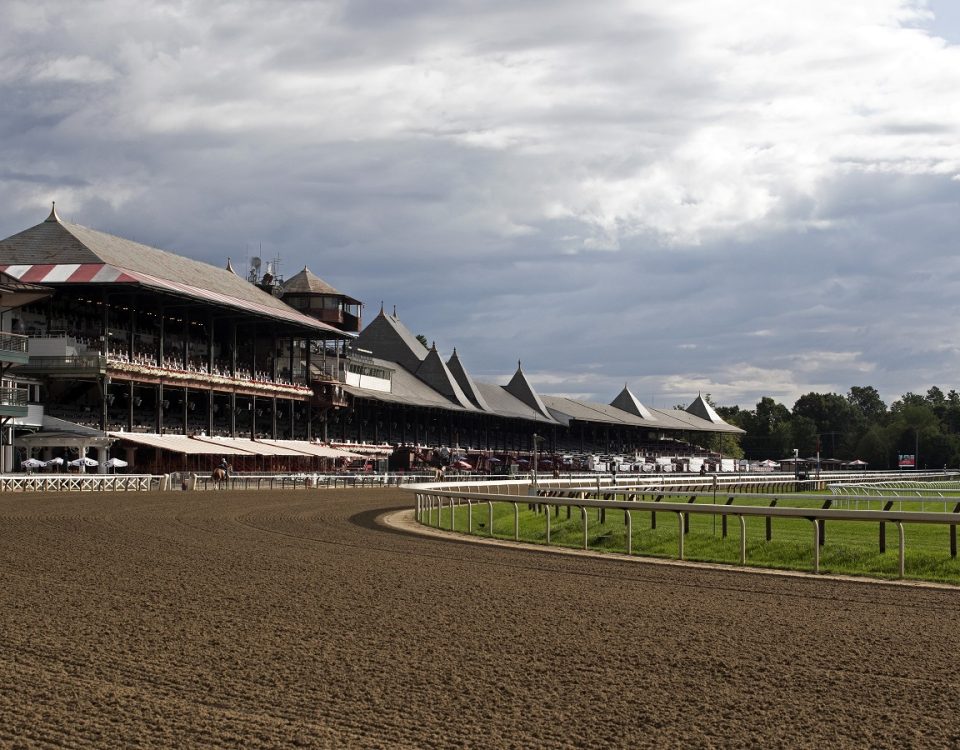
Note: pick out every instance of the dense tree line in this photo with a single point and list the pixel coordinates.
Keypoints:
(856, 426)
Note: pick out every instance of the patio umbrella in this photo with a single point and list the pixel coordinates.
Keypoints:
(85, 461)
(32, 463)
(114, 463)
(55, 461)
(462, 465)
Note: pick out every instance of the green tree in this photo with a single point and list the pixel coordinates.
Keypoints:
(867, 404)
(832, 416)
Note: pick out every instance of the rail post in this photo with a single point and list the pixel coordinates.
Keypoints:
(823, 522)
(586, 524)
(490, 506)
(724, 519)
(547, 518)
(686, 516)
(773, 504)
(900, 560)
(953, 533)
(469, 516)
(883, 529)
(680, 519)
(516, 522)
(816, 545)
(453, 515)
(629, 521)
(743, 539)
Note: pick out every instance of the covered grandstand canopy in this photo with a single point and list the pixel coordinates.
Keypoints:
(57, 252)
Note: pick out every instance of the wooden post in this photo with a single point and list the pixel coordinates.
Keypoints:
(773, 504)
(823, 522)
(883, 529)
(724, 524)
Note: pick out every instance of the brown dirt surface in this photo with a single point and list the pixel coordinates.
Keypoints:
(286, 619)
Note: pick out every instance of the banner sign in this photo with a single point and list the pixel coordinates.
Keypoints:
(907, 461)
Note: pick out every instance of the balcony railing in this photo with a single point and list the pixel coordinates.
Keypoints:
(13, 342)
(78, 362)
(13, 397)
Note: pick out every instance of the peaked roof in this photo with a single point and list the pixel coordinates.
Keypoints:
(387, 338)
(58, 252)
(519, 387)
(627, 402)
(700, 408)
(307, 282)
(466, 382)
(435, 373)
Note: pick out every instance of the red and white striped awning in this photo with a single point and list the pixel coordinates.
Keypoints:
(67, 273)
(102, 273)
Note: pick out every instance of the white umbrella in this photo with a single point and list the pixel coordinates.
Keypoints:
(55, 461)
(32, 463)
(85, 461)
(115, 463)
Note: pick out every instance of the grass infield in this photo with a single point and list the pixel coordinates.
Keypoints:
(849, 547)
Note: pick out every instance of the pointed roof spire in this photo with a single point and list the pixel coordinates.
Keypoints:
(626, 401)
(519, 387)
(394, 310)
(53, 214)
(700, 408)
(381, 307)
(465, 382)
(230, 266)
(437, 375)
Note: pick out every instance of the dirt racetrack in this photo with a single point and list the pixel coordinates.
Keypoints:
(291, 619)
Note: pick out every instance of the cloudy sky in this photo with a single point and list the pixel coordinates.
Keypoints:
(725, 196)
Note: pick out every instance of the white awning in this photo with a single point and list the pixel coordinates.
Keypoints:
(178, 444)
(246, 445)
(312, 449)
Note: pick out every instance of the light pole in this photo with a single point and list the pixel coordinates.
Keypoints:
(536, 441)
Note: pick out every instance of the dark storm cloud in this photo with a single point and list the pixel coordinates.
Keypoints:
(612, 192)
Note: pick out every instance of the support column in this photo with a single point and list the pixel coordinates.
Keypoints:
(233, 414)
(160, 337)
(210, 342)
(273, 418)
(130, 406)
(186, 347)
(253, 417)
(186, 411)
(210, 405)
(308, 379)
(159, 410)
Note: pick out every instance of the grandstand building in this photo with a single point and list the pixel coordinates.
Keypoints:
(174, 362)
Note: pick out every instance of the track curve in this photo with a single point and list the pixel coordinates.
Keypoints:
(298, 618)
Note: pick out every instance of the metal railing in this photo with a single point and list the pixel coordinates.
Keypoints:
(72, 362)
(13, 397)
(13, 342)
(293, 481)
(431, 499)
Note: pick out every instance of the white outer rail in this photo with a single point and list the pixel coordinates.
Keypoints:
(426, 499)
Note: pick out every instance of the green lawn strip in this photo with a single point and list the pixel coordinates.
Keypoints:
(850, 547)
